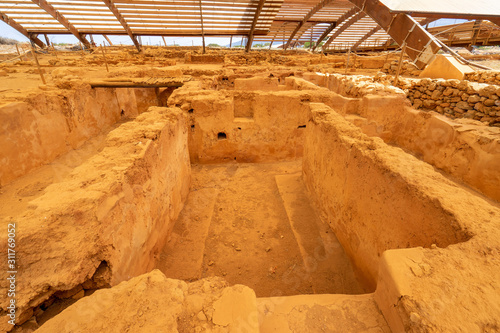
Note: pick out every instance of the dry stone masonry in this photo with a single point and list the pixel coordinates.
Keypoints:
(456, 99)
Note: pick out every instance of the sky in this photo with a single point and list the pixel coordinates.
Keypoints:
(9, 32)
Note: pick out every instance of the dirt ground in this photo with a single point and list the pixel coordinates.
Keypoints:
(253, 224)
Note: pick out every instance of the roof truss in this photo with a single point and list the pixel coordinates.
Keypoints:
(110, 4)
(18, 27)
(313, 11)
(61, 19)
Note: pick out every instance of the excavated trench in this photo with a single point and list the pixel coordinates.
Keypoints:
(270, 189)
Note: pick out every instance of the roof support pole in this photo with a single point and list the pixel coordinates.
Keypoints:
(421, 46)
(123, 22)
(202, 29)
(61, 19)
(254, 23)
(19, 28)
(313, 11)
(332, 26)
(47, 41)
(107, 39)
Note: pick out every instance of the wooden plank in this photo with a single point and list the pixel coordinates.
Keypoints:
(61, 19)
(107, 39)
(106, 84)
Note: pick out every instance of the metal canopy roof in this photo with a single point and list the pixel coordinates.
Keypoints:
(341, 24)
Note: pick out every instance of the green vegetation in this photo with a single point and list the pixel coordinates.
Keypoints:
(213, 45)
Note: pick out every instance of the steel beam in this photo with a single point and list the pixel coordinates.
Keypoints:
(313, 11)
(21, 29)
(61, 19)
(123, 22)
(254, 23)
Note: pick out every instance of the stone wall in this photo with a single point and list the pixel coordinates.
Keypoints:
(491, 77)
(455, 98)
(352, 85)
(408, 68)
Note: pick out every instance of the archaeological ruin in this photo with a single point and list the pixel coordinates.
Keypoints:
(334, 168)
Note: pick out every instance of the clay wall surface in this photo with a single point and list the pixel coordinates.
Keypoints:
(258, 126)
(375, 197)
(467, 152)
(114, 211)
(33, 132)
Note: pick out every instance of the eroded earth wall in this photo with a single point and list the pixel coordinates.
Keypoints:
(375, 196)
(114, 211)
(45, 125)
(250, 126)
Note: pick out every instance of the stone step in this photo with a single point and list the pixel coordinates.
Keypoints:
(321, 313)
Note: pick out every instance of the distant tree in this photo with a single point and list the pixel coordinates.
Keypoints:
(213, 45)
(258, 45)
(267, 44)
